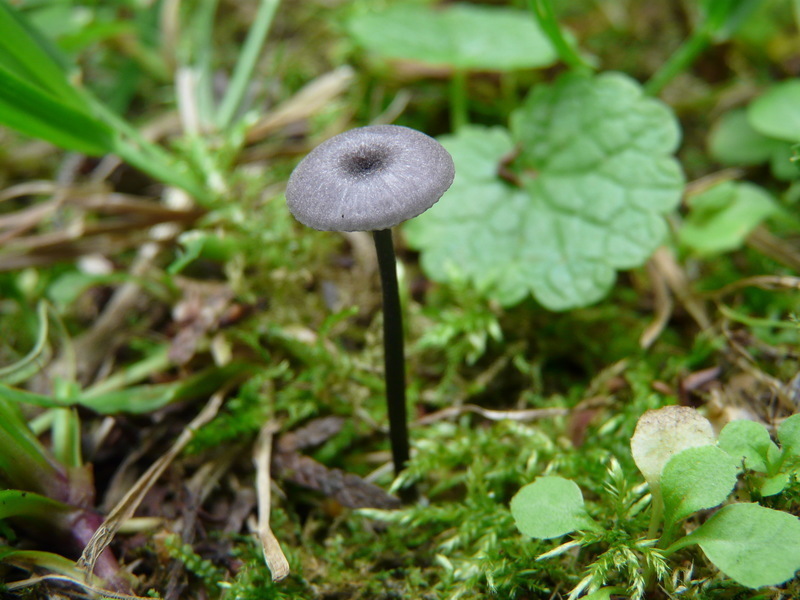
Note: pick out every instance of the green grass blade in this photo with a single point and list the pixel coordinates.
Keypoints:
(35, 560)
(146, 398)
(136, 399)
(247, 62)
(31, 111)
(197, 54)
(66, 435)
(29, 364)
(24, 463)
(28, 55)
(18, 396)
(20, 503)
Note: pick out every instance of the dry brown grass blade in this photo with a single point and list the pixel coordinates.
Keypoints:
(663, 307)
(98, 343)
(774, 247)
(305, 103)
(126, 507)
(262, 457)
(105, 223)
(18, 223)
(197, 314)
(748, 364)
(532, 414)
(765, 282)
(29, 188)
(703, 184)
(664, 261)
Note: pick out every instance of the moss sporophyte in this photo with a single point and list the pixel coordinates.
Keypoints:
(371, 179)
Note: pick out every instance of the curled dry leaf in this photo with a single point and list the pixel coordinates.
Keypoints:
(660, 434)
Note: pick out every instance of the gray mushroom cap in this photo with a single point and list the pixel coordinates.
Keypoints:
(369, 178)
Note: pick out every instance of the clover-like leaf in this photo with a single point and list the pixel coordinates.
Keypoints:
(573, 193)
(753, 545)
(464, 36)
(696, 479)
(550, 507)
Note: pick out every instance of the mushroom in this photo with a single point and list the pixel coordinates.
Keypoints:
(371, 179)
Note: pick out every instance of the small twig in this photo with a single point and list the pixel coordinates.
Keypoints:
(532, 414)
(664, 261)
(765, 282)
(262, 457)
(745, 361)
(663, 307)
(312, 98)
(769, 245)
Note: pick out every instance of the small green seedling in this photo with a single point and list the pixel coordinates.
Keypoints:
(687, 470)
(721, 218)
(762, 132)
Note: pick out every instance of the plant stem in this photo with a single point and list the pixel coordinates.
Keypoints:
(656, 518)
(546, 18)
(656, 513)
(246, 63)
(393, 353)
(459, 114)
(680, 60)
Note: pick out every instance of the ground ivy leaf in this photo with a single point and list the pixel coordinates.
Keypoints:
(550, 507)
(467, 233)
(753, 545)
(593, 177)
(464, 36)
(695, 479)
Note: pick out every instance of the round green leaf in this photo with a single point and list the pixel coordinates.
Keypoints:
(734, 142)
(721, 218)
(774, 485)
(747, 441)
(464, 36)
(789, 435)
(663, 433)
(783, 162)
(696, 479)
(753, 545)
(549, 507)
(777, 112)
(583, 198)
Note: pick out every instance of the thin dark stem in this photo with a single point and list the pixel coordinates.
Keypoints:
(393, 353)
